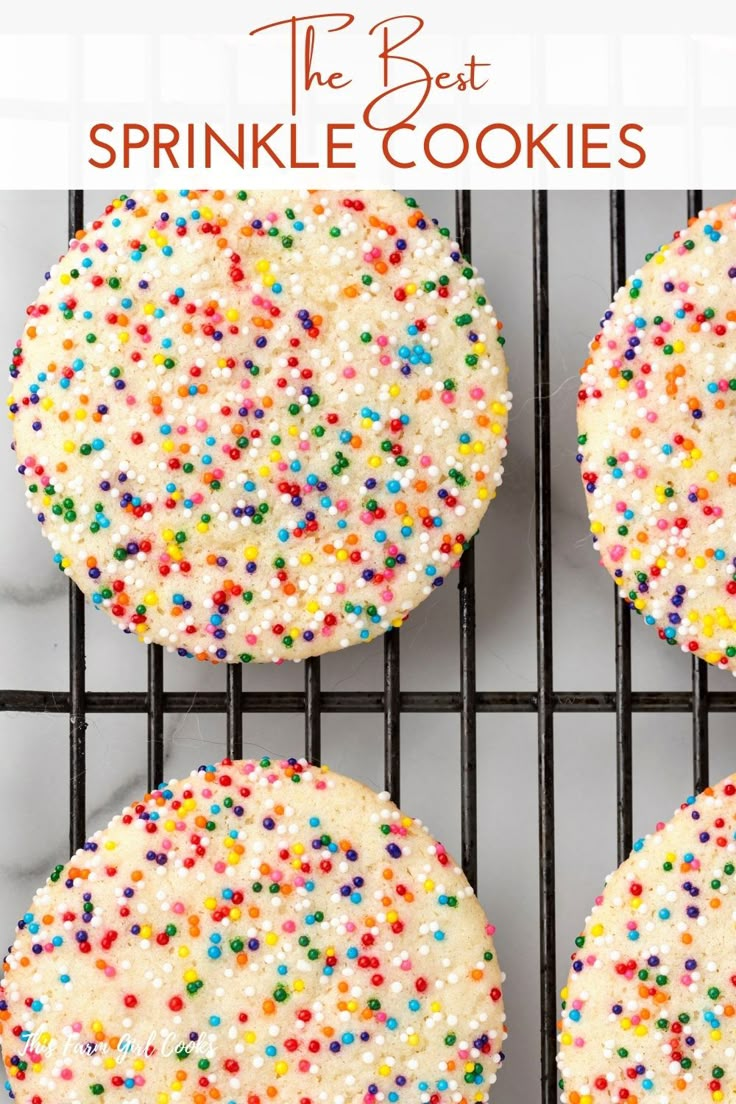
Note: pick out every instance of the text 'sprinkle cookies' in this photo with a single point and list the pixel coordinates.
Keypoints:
(259, 932)
(263, 425)
(656, 415)
(649, 1012)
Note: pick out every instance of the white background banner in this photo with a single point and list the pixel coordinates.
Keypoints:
(400, 94)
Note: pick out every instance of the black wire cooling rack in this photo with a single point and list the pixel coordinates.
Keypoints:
(234, 701)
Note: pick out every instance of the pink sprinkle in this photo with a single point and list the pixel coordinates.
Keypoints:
(448, 397)
(251, 638)
(661, 524)
(425, 460)
(348, 372)
(651, 416)
(477, 393)
(288, 926)
(617, 552)
(178, 907)
(66, 1074)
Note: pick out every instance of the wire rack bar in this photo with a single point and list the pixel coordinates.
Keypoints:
(545, 701)
(77, 662)
(699, 666)
(234, 711)
(363, 701)
(468, 704)
(155, 708)
(312, 711)
(622, 612)
(392, 714)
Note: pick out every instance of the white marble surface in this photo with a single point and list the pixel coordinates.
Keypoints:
(33, 637)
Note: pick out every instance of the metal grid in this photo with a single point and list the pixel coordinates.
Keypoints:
(234, 701)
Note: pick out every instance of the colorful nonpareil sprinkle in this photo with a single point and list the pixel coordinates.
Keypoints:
(259, 932)
(655, 415)
(649, 1012)
(260, 426)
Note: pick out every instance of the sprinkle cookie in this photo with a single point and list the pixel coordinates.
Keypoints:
(655, 416)
(648, 1012)
(260, 426)
(259, 932)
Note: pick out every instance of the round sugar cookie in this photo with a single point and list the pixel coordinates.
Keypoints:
(649, 1012)
(264, 425)
(655, 413)
(258, 932)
